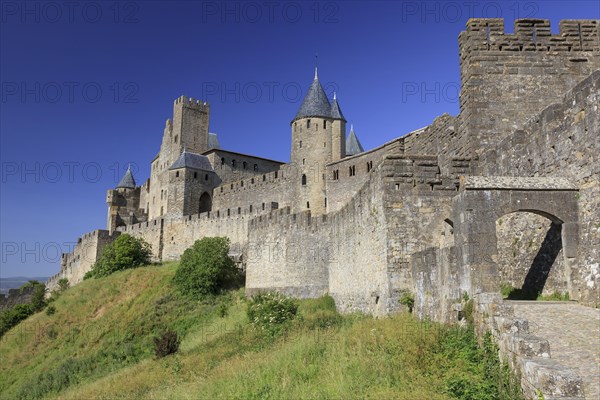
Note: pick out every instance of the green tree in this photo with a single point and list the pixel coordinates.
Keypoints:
(206, 268)
(124, 253)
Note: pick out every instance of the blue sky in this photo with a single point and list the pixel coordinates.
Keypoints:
(86, 88)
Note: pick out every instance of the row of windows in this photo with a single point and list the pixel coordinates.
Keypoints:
(351, 171)
(264, 178)
(308, 124)
(234, 164)
(195, 175)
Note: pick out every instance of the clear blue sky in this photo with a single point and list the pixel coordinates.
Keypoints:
(87, 87)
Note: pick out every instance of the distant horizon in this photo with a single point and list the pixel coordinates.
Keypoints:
(85, 95)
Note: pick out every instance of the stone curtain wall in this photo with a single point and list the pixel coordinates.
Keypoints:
(343, 253)
(564, 140)
(74, 265)
(16, 296)
(344, 186)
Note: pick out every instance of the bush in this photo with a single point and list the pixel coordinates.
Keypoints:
(270, 311)
(407, 299)
(50, 310)
(38, 298)
(14, 315)
(124, 253)
(206, 268)
(166, 343)
(63, 284)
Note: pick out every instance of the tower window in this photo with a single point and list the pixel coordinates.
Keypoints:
(303, 161)
(264, 178)
(252, 180)
(307, 204)
(250, 207)
(300, 144)
(308, 123)
(369, 166)
(263, 206)
(303, 179)
(244, 164)
(177, 174)
(275, 174)
(242, 183)
(176, 137)
(336, 174)
(352, 170)
(222, 160)
(195, 175)
(324, 144)
(324, 124)
(221, 189)
(295, 123)
(205, 177)
(256, 167)
(239, 210)
(233, 163)
(325, 201)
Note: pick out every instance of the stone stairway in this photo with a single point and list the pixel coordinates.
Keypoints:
(573, 332)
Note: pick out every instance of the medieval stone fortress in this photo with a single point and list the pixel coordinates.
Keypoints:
(506, 192)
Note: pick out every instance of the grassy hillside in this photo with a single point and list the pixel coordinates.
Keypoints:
(98, 344)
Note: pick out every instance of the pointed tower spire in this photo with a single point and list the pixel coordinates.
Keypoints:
(353, 145)
(336, 111)
(315, 103)
(127, 182)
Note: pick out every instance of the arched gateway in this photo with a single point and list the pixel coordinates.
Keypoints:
(482, 200)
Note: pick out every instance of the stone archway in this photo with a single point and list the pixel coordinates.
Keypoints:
(482, 200)
(205, 203)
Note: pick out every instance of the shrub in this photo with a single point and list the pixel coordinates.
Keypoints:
(206, 268)
(407, 299)
(270, 311)
(63, 284)
(166, 343)
(38, 298)
(124, 253)
(14, 315)
(50, 310)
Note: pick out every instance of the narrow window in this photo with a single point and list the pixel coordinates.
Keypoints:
(222, 160)
(295, 123)
(244, 164)
(263, 206)
(303, 161)
(308, 124)
(275, 174)
(324, 124)
(221, 189)
(176, 137)
(303, 179)
(264, 178)
(250, 207)
(206, 177)
(307, 204)
(252, 181)
(242, 183)
(325, 201)
(233, 163)
(232, 185)
(300, 144)
(256, 167)
(195, 175)
(228, 212)
(177, 174)
(239, 210)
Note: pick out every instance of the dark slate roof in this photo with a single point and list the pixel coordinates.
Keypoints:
(192, 160)
(336, 111)
(353, 146)
(315, 103)
(127, 180)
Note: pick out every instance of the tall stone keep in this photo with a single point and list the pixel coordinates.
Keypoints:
(318, 138)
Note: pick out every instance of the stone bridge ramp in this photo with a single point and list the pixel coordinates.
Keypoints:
(573, 332)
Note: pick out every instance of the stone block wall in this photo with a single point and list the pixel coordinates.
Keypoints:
(16, 296)
(74, 265)
(507, 78)
(564, 141)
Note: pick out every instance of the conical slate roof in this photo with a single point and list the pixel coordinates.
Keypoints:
(192, 160)
(315, 103)
(353, 146)
(127, 180)
(213, 141)
(336, 111)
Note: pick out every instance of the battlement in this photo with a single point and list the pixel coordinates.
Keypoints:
(190, 102)
(532, 35)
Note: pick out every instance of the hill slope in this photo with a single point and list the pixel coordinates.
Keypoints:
(98, 344)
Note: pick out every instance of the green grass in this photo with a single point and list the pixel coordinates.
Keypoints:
(98, 345)
(511, 293)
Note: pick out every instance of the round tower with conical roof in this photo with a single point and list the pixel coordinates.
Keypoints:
(318, 138)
